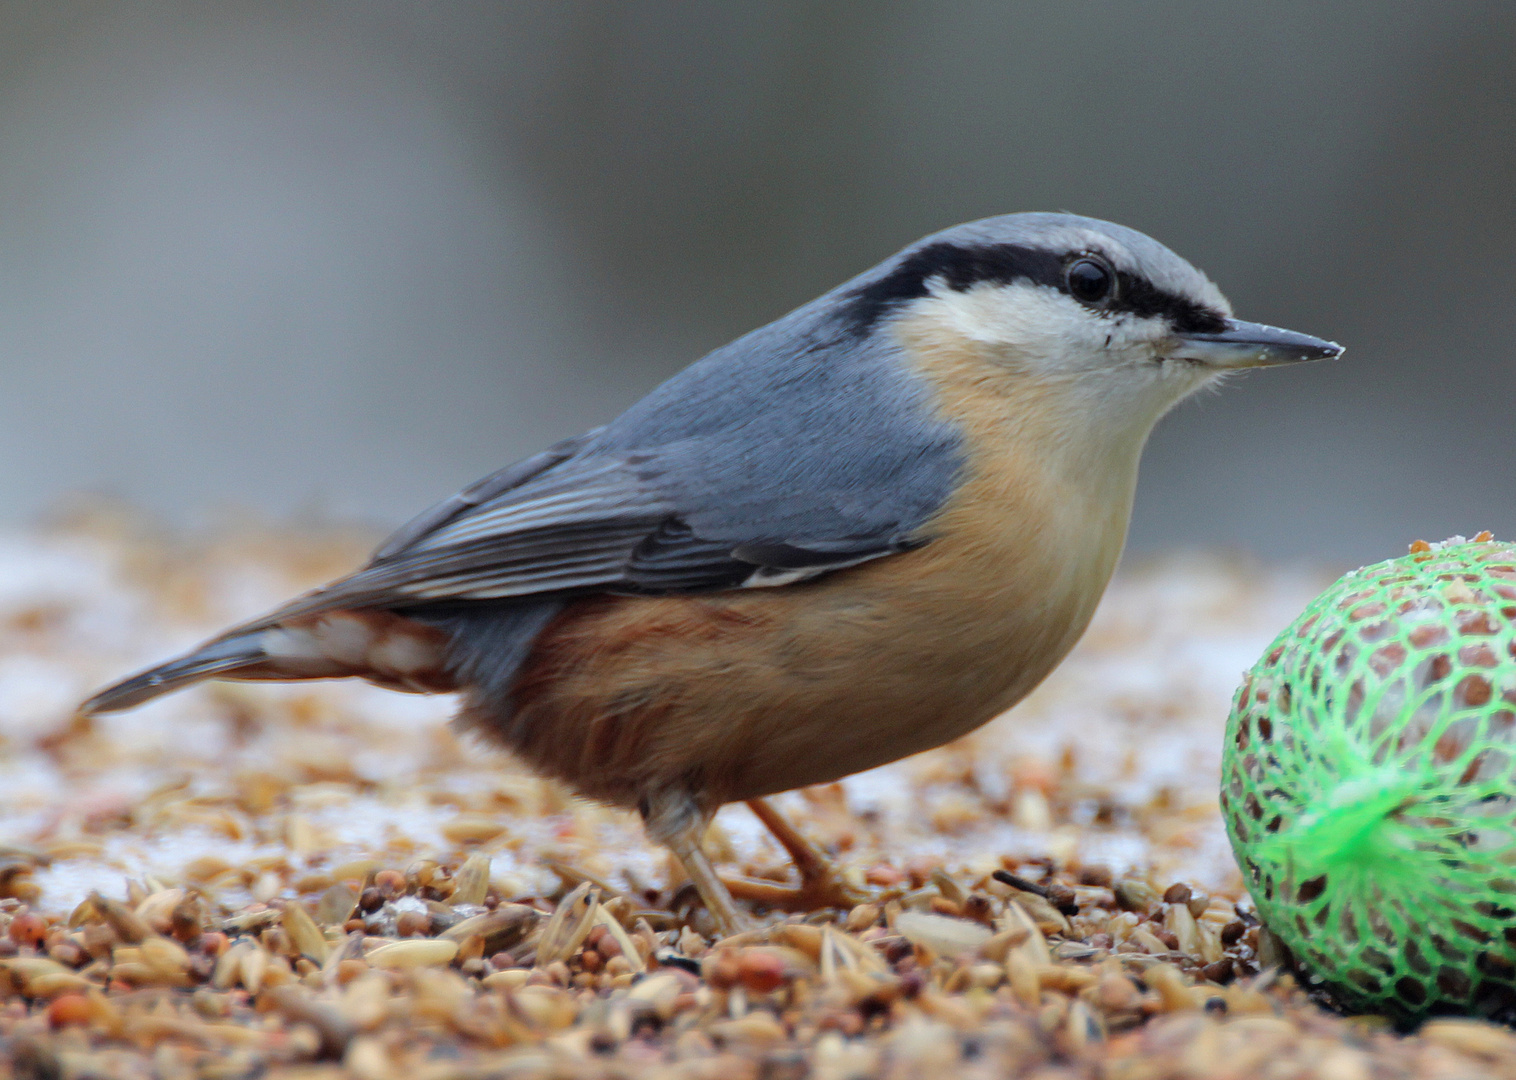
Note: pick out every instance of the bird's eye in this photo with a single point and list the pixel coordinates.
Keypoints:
(1090, 282)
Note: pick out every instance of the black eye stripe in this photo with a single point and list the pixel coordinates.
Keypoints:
(963, 267)
(1141, 297)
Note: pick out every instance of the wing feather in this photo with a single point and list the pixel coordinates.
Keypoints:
(792, 453)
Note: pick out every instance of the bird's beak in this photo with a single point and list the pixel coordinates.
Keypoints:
(1248, 344)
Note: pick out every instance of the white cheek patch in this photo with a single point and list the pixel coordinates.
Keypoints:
(1039, 327)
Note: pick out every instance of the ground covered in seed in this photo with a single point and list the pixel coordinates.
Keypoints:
(324, 881)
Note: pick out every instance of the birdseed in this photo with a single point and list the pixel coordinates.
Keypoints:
(324, 881)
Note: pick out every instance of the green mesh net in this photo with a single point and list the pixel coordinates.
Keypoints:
(1369, 784)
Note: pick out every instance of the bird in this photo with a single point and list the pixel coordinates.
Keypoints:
(855, 533)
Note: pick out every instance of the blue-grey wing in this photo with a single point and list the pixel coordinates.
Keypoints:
(790, 453)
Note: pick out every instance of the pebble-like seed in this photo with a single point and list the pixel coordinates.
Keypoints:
(760, 970)
(413, 924)
(70, 1009)
(1222, 971)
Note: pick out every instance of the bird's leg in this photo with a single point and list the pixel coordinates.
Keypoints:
(673, 820)
(820, 884)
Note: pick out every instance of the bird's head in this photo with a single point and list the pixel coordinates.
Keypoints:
(1099, 322)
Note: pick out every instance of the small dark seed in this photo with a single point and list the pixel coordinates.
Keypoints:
(977, 907)
(1222, 971)
(1177, 893)
(1098, 876)
(1232, 932)
(898, 949)
(1062, 898)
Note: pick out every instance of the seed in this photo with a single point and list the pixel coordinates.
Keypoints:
(1098, 876)
(54, 983)
(570, 924)
(1470, 1037)
(943, 935)
(413, 952)
(1116, 993)
(70, 1009)
(1062, 898)
(1222, 971)
(1068, 978)
(862, 917)
(546, 1007)
(760, 970)
(472, 881)
(1181, 924)
(304, 934)
(367, 1059)
(28, 929)
(500, 929)
(1004, 941)
(473, 829)
(1135, 895)
(158, 909)
(390, 883)
(658, 992)
(509, 979)
(721, 969)
(255, 964)
(413, 924)
(755, 1029)
(336, 905)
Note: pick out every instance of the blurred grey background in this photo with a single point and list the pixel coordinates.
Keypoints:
(347, 256)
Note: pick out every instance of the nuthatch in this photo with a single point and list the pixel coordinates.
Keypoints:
(855, 533)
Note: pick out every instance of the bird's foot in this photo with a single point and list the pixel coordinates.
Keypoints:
(821, 886)
(816, 892)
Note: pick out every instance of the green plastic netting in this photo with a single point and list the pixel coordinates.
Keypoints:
(1369, 784)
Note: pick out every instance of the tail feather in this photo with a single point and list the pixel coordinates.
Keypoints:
(214, 658)
(380, 646)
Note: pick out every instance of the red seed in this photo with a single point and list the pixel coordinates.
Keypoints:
(28, 929)
(760, 970)
(70, 1009)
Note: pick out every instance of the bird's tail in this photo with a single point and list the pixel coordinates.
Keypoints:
(380, 646)
(223, 656)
